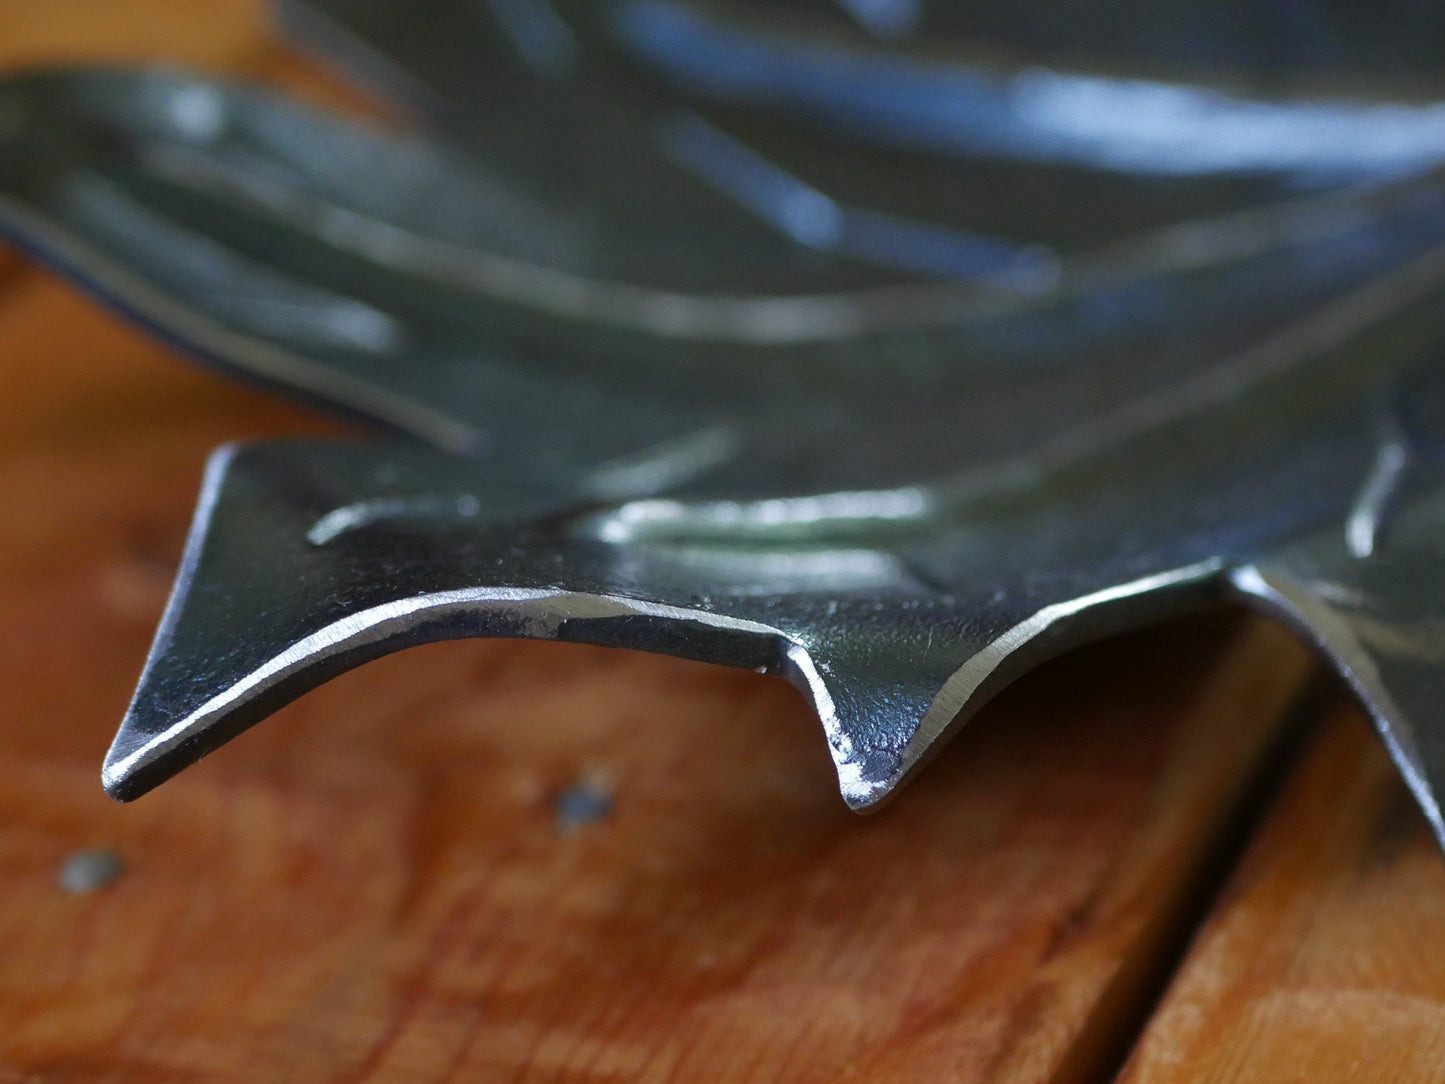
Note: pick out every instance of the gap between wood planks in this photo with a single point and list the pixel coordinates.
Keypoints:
(1124, 1011)
(1321, 960)
(1126, 1006)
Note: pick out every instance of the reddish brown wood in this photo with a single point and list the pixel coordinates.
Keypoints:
(11, 266)
(374, 885)
(202, 33)
(1325, 961)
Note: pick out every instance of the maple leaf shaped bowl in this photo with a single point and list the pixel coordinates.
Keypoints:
(899, 490)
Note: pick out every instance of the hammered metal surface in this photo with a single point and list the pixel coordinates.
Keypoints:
(709, 434)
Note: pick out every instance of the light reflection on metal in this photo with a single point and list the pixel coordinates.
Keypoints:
(899, 495)
(538, 34)
(1136, 125)
(817, 221)
(886, 19)
(1362, 529)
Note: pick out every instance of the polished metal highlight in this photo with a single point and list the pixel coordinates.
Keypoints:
(898, 490)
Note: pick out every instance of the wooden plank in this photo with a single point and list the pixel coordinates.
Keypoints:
(213, 34)
(374, 884)
(1325, 960)
(10, 266)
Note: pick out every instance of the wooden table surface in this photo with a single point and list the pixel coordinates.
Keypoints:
(1174, 857)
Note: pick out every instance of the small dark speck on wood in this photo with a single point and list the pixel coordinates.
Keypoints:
(587, 800)
(90, 870)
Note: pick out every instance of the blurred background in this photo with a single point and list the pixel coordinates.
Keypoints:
(1175, 856)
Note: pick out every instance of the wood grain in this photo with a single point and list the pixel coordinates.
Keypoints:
(375, 885)
(1325, 960)
(212, 34)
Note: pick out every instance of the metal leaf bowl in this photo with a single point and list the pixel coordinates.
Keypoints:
(745, 398)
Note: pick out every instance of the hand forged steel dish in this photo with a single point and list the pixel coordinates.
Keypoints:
(899, 489)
